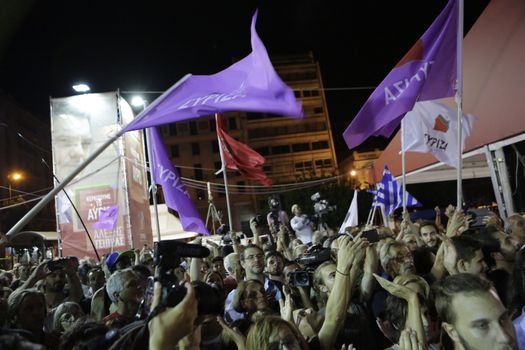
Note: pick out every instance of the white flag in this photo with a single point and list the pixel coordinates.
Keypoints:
(351, 216)
(432, 127)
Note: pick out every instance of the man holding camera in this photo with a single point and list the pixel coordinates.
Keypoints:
(276, 217)
(56, 274)
(301, 224)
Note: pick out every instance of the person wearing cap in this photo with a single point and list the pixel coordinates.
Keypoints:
(120, 260)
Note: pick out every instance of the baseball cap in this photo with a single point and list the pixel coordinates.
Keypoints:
(115, 256)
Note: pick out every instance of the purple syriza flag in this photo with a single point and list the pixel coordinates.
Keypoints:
(427, 72)
(175, 194)
(250, 85)
(107, 218)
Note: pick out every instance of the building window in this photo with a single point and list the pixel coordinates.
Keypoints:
(264, 151)
(323, 163)
(198, 171)
(204, 126)
(297, 93)
(182, 128)
(232, 123)
(215, 146)
(173, 129)
(193, 128)
(315, 92)
(301, 166)
(300, 147)
(213, 126)
(307, 93)
(319, 145)
(195, 149)
(241, 184)
(267, 168)
(282, 149)
(200, 195)
(318, 110)
(174, 150)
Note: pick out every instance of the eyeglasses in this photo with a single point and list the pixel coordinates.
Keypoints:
(253, 257)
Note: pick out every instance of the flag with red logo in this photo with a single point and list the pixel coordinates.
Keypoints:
(432, 127)
(240, 157)
(426, 72)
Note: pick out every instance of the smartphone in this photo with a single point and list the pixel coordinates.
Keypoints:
(54, 265)
(371, 236)
(477, 216)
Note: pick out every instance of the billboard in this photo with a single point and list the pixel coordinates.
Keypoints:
(79, 125)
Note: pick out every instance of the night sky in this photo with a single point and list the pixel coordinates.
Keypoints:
(121, 45)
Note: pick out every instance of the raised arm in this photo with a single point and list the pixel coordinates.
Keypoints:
(340, 295)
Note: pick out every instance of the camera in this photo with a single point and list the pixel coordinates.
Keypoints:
(54, 265)
(301, 278)
(258, 220)
(168, 253)
(209, 298)
(58, 264)
(313, 257)
(321, 206)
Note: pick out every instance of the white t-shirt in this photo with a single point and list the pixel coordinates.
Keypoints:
(302, 227)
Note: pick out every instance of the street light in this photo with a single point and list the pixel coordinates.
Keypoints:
(15, 176)
(353, 173)
(138, 101)
(81, 88)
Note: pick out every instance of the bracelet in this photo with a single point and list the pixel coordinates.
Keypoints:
(344, 274)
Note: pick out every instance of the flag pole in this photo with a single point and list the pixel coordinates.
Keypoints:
(48, 197)
(153, 186)
(459, 102)
(224, 175)
(403, 168)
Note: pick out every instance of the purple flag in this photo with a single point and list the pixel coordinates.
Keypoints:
(427, 72)
(250, 85)
(175, 194)
(107, 218)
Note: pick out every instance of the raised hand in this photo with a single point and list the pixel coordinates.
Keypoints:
(450, 257)
(233, 333)
(396, 290)
(455, 223)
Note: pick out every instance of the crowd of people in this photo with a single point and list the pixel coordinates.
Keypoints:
(440, 284)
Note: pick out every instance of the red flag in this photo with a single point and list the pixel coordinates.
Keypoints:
(240, 157)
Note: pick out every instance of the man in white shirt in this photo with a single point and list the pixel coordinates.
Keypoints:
(301, 224)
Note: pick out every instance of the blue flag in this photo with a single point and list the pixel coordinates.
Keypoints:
(390, 194)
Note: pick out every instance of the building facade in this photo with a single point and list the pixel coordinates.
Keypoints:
(24, 144)
(359, 168)
(295, 150)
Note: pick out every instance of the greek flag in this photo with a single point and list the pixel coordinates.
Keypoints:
(390, 194)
